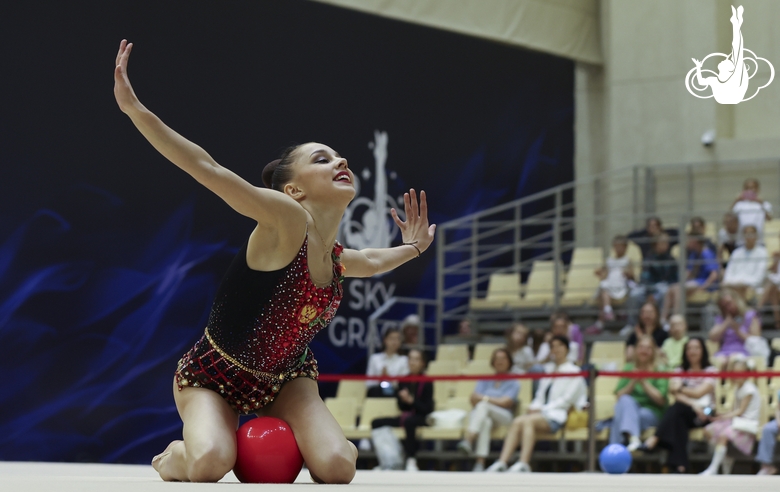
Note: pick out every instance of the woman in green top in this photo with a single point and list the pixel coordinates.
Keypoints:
(641, 401)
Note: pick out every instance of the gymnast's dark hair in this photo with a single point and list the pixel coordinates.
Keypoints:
(278, 173)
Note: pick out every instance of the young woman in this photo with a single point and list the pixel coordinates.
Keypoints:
(695, 399)
(281, 289)
(547, 413)
(386, 363)
(415, 400)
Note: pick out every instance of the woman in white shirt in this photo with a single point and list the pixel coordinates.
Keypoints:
(548, 411)
(751, 210)
(747, 264)
(726, 428)
(386, 363)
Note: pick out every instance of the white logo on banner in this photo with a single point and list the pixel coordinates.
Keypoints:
(735, 70)
(367, 222)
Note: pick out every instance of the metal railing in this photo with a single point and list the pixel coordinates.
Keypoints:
(543, 226)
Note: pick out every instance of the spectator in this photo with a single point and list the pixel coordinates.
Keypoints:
(523, 357)
(494, 402)
(747, 265)
(641, 401)
(694, 402)
(615, 277)
(464, 329)
(672, 348)
(649, 324)
(644, 237)
(559, 327)
(733, 327)
(751, 210)
(658, 273)
(703, 271)
(766, 447)
(410, 330)
(771, 292)
(386, 363)
(698, 227)
(547, 413)
(724, 428)
(415, 400)
(728, 235)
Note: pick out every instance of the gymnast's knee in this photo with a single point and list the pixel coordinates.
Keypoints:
(336, 465)
(209, 464)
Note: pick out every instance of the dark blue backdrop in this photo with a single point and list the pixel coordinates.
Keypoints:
(109, 255)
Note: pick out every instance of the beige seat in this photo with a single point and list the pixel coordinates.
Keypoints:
(483, 351)
(581, 280)
(344, 410)
(374, 408)
(458, 353)
(352, 389)
(443, 390)
(539, 291)
(503, 288)
(608, 350)
(772, 243)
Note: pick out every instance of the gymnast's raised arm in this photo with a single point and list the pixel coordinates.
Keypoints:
(268, 207)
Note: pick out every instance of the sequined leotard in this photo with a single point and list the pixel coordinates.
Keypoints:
(259, 329)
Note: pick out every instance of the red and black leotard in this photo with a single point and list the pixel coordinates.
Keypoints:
(259, 329)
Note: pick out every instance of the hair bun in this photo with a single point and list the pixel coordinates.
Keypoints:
(268, 172)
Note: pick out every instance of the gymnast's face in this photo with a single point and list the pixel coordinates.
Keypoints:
(321, 174)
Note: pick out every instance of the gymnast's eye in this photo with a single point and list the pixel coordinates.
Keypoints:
(321, 160)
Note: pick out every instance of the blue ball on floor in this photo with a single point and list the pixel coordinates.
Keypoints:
(615, 459)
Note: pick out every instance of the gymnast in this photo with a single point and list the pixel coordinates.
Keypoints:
(280, 290)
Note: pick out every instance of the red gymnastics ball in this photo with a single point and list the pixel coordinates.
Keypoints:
(267, 452)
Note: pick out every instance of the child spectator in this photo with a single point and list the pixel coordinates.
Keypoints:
(726, 428)
(523, 357)
(751, 210)
(415, 400)
(703, 271)
(766, 447)
(672, 348)
(615, 276)
(386, 363)
(747, 265)
(494, 402)
(728, 235)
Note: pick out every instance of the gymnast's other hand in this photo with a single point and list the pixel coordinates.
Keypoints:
(416, 229)
(123, 91)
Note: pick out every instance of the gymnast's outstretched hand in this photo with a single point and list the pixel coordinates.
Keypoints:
(416, 229)
(123, 91)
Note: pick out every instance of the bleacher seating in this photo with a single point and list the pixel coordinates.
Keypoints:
(503, 289)
(483, 351)
(581, 280)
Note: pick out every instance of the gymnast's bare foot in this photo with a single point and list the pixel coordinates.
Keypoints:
(159, 460)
